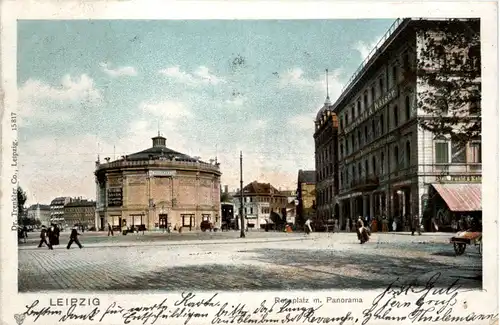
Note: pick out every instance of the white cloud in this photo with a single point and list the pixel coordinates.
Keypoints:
(364, 48)
(201, 75)
(258, 124)
(38, 99)
(169, 110)
(237, 101)
(52, 167)
(117, 72)
(302, 121)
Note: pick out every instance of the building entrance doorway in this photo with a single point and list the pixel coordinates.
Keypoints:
(163, 220)
(101, 226)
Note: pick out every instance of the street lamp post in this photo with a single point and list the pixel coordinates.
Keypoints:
(242, 220)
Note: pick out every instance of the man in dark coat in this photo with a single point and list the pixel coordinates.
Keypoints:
(43, 238)
(74, 238)
(110, 229)
(415, 226)
(55, 235)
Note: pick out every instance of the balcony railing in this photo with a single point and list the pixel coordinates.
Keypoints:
(157, 163)
(365, 183)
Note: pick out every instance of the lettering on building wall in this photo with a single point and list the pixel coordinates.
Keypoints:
(460, 178)
(165, 173)
(115, 197)
(378, 104)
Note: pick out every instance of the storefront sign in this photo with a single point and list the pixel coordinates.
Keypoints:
(115, 195)
(165, 173)
(460, 178)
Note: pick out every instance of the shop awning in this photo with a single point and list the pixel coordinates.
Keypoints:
(460, 197)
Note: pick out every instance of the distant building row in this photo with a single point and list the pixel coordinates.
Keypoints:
(64, 211)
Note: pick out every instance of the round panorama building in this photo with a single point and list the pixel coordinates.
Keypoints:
(157, 188)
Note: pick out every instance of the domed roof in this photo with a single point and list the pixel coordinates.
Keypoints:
(160, 151)
(326, 107)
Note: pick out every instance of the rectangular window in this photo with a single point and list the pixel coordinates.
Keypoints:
(475, 152)
(251, 210)
(441, 151)
(187, 220)
(458, 154)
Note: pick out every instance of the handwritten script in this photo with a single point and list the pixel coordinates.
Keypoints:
(399, 302)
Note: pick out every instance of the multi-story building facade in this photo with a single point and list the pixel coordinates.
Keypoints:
(260, 202)
(80, 212)
(388, 164)
(306, 196)
(57, 210)
(156, 188)
(40, 212)
(326, 157)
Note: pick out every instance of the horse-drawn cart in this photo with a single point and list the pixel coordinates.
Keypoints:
(464, 238)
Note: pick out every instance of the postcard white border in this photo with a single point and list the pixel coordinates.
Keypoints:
(13, 10)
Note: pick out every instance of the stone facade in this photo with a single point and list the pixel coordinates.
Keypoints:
(158, 188)
(327, 172)
(260, 202)
(306, 196)
(386, 160)
(57, 210)
(80, 212)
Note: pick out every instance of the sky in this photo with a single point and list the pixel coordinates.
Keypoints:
(213, 88)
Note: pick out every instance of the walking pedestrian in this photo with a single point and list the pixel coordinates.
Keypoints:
(24, 233)
(43, 238)
(308, 226)
(73, 238)
(55, 235)
(415, 226)
(110, 229)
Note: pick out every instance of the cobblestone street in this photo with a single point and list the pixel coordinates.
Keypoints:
(261, 261)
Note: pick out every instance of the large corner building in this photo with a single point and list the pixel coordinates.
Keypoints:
(387, 164)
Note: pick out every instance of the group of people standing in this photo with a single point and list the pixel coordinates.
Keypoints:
(50, 237)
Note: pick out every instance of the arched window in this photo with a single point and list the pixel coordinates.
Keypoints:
(381, 86)
(341, 150)
(354, 172)
(408, 154)
(359, 138)
(347, 118)
(366, 168)
(366, 133)
(374, 166)
(396, 116)
(359, 107)
(360, 171)
(373, 95)
(396, 158)
(365, 101)
(374, 133)
(407, 107)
